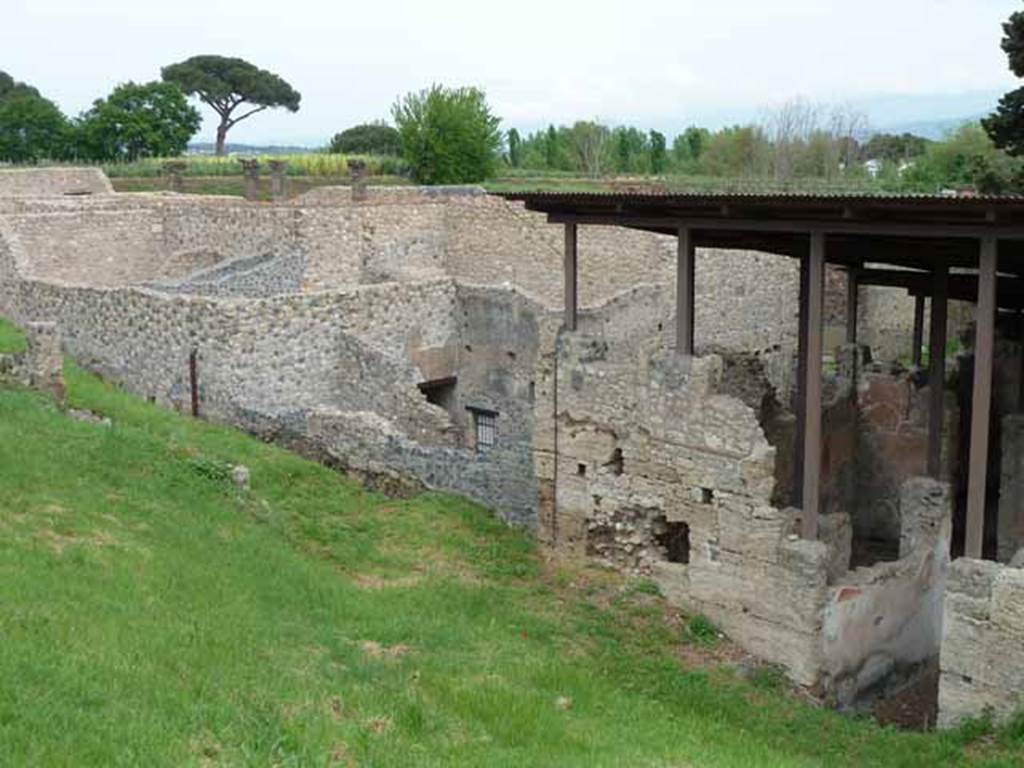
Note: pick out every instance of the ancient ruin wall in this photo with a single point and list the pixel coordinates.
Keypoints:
(885, 622)
(648, 468)
(1011, 489)
(45, 182)
(982, 662)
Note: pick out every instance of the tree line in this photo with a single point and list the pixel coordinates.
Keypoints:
(451, 135)
(138, 120)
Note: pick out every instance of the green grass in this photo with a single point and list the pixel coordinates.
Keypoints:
(153, 614)
(11, 338)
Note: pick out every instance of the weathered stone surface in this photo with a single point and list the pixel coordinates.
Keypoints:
(1011, 488)
(42, 182)
(240, 476)
(982, 661)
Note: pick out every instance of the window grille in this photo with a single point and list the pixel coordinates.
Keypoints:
(486, 426)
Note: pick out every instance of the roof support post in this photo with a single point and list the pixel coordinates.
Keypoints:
(811, 500)
(571, 277)
(852, 309)
(918, 340)
(937, 367)
(801, 382)
(981, 403)
(685, 293)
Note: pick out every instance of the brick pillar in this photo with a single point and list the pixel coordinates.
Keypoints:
(251, 169)
(278, 179)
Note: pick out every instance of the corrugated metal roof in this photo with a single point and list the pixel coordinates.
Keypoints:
(662, 197)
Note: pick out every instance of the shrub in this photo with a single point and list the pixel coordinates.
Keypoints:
(449, 136)
(367, 139)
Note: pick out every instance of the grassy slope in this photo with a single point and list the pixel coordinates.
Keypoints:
(151, 614)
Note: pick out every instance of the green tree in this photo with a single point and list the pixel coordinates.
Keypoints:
(31, 128)
(138, 120)
(367, 139)
(1006, 125)
(658, 154)
(894, 148)
(688, 147)
(9, 87)
(449, 135)
(737, 151)
(552, 148)
(514, 148)
(590, 144)
(226, 84)
(630, 150)
(968, 157)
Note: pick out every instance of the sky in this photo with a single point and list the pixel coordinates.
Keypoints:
(661, 64)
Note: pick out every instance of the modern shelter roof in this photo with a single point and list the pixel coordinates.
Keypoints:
(910, 231)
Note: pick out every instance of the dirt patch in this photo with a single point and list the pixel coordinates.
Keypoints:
(915, 707)
(372, 581)
(377, 724)
(376, 650)
(58, 543)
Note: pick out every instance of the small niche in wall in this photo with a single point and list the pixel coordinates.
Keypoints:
(616, 465)
(532, 392)
(440, 392)
(676, 542)
(581, 470)
(704, 496)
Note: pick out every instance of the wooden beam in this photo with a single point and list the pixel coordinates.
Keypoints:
(851, 306)
(981, 402)
(937, 367)
(571, 277)
(918, 340)
(811, 497)
(685, 293)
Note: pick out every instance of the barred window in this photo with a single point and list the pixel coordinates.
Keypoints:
(485, 424)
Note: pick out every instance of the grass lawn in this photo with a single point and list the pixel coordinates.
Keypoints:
(153, 614)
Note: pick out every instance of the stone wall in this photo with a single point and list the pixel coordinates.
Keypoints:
(42, 182)
(883, 625)
(982, 661)
(1011, 489)
(649, 468)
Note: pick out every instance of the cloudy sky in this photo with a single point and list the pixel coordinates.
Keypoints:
(656, 63)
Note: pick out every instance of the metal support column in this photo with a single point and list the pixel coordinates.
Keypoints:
(981, 403)
(685, 293)
(571, 277)
(810, 501)
(918, 341)
(801, 380)
(852, 308)
(937, 367)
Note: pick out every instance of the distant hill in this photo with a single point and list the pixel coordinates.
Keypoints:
(209, 148)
